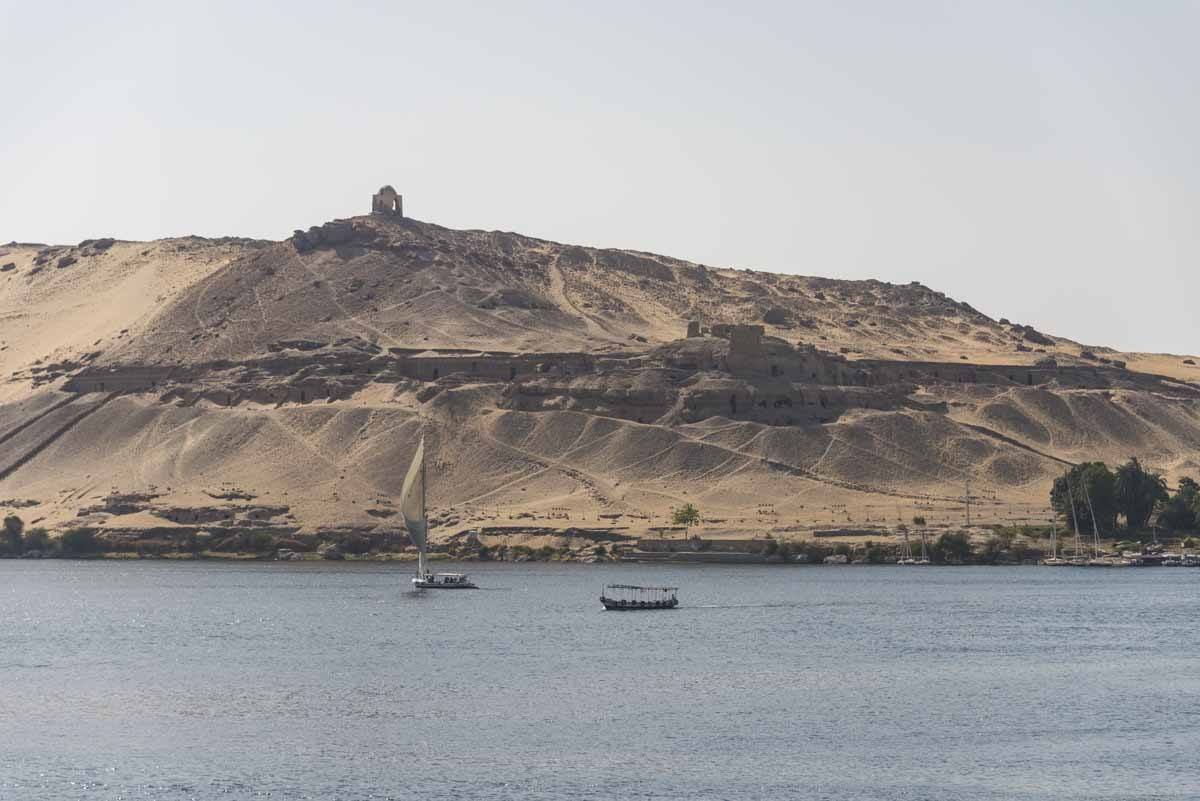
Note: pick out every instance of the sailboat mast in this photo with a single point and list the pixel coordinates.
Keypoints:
(1095, 526)
(425, 515)
(1075, 518)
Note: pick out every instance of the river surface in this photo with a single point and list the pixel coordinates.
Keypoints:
(201, 680)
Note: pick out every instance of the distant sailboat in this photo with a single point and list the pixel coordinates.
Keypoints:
(412, 506)
(1054, 560)
(1078, 560)
(924, 560)
(906, 557)
(1097, 560)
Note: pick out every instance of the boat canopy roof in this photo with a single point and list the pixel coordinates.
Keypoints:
(636, 587)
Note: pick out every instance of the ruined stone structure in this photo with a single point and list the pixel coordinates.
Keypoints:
(737, 373)
(746, 339)
(746, 352)
(386, 201)
(693, 329)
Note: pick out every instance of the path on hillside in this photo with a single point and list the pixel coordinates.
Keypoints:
(558, 293)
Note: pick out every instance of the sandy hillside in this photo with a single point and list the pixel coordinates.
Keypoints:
(194, 382)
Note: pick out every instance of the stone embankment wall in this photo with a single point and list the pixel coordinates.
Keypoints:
(697, 544)
(697, 549)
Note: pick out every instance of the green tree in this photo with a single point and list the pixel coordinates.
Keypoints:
(78, 541)
(1138, 491)
(875, 554)
(14, 527)
(952, 547)
(992, 549)
(1192, 489)
(262, 542)
(37, 539)
(1089, 481)
(1180, 511)
(686, 516)
(815, 552)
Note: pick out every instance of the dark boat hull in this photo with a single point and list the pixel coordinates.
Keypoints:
(635, 606)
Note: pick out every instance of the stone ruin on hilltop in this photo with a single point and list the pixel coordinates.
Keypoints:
(387, 201)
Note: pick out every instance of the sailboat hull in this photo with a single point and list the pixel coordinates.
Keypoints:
(412, 507)
(441, 583)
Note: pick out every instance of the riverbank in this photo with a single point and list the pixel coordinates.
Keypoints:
(783, 557)
(990, 545)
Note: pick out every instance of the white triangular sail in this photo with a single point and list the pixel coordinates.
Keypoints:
(412, 505)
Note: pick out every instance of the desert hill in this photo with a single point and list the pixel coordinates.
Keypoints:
(195, 384)
(374, 277)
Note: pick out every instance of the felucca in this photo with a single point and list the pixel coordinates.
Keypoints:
(906, 557)
(924, 560)
(1054, 560)
(1078, 560)
(1097, 560)
(412, 506)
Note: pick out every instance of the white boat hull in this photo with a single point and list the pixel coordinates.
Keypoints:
(440, 582)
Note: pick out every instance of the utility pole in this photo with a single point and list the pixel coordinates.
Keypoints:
(967, 496)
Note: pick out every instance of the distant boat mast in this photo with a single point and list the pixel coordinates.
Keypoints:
(1095, 526)
(1075, 518)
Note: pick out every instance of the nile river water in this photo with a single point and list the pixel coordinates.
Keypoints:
(161, 680)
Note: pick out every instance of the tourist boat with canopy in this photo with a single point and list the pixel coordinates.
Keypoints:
(631, 597)
(412, 506)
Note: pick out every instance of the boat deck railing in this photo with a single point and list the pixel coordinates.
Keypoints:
(639, 587)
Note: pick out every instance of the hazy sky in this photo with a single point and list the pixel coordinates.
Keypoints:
(1038, 160)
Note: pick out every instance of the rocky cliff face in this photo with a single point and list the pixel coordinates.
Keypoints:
(552, 382)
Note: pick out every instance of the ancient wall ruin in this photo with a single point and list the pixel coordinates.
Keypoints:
(747, 377)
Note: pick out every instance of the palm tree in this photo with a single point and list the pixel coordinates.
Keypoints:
(1137, 492)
